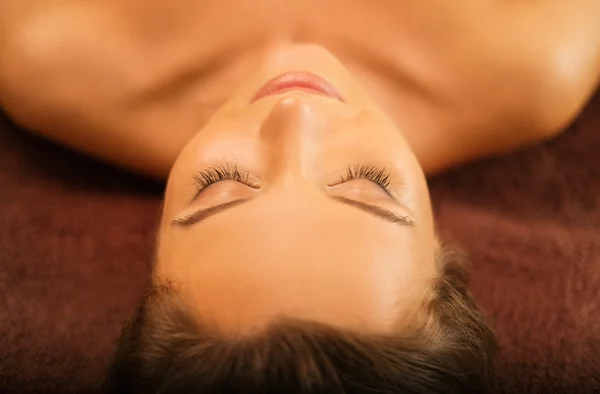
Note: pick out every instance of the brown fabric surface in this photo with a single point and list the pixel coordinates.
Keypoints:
(76, 238)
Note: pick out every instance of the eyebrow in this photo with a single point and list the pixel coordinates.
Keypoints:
(381, 213)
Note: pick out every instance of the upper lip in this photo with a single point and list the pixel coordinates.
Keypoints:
(298, 80)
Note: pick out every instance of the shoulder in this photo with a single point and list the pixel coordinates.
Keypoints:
(562, 39)
(523, 72)
(54, 52)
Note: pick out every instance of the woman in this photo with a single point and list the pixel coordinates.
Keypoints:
(297, 251)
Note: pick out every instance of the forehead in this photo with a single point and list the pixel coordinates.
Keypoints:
(321, 263)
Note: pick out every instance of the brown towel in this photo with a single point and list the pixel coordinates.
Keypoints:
(76, 238)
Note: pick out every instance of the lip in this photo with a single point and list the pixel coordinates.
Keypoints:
(303, 81)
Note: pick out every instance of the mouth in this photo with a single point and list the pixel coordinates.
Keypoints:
(298, 81)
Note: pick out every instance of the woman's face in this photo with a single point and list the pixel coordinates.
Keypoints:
(299, 205)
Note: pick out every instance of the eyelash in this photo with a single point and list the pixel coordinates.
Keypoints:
(205, 178)
(368, 171)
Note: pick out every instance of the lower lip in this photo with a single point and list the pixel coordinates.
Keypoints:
(299, 81)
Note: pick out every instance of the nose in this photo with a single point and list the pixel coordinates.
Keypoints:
(290, 135)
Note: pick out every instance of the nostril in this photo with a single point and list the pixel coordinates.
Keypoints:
(291, 134)
(292, 110)
(293, 102)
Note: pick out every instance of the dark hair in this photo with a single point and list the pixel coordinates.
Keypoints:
(166, 348)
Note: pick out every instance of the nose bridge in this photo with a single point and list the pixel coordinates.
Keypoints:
(290, 136)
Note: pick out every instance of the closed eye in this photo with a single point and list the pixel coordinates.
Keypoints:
(209, 176)
(369, 171)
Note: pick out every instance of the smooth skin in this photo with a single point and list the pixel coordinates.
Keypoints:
(132, 81)
(296, 241)
(163, 87)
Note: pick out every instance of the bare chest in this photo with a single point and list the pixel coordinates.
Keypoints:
(168, 65)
